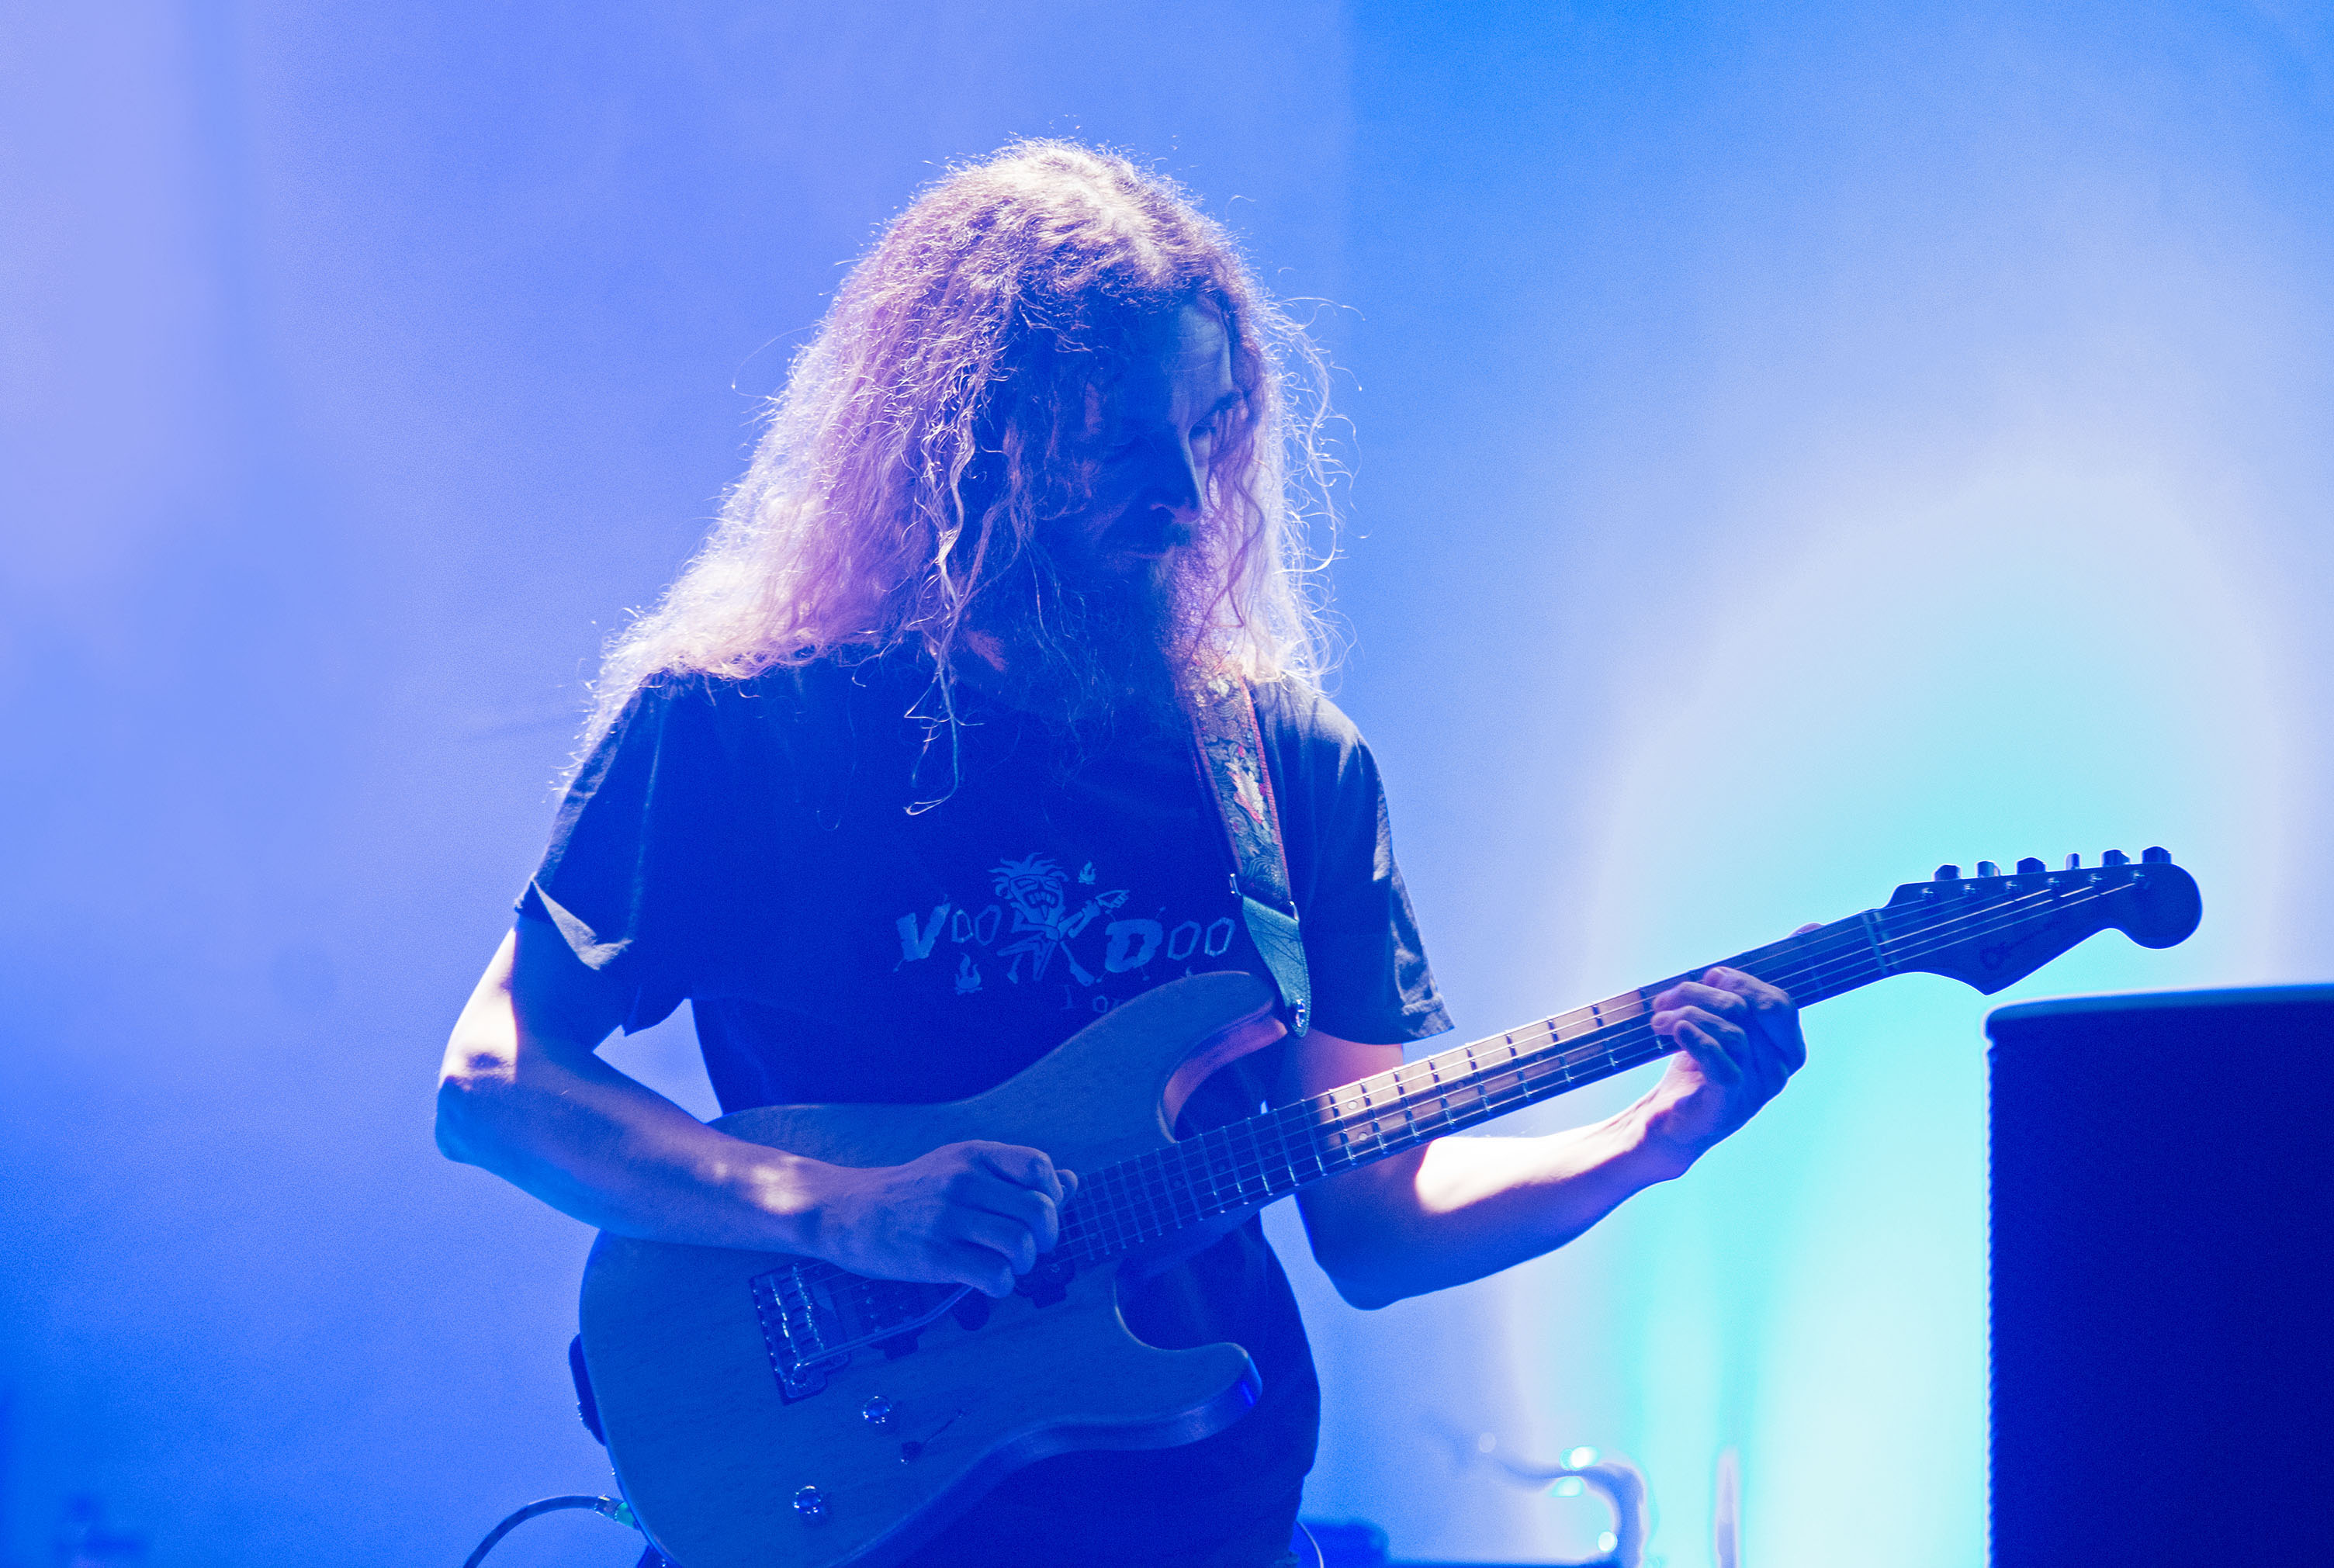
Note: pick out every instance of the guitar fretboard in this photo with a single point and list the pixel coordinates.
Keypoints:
(1272, 1154)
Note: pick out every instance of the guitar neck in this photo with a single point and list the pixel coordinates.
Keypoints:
(1269, 1155)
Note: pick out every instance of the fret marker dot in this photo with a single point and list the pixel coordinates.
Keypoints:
(1580, 1458)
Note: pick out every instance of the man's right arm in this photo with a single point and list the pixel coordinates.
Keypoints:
(524, 1093)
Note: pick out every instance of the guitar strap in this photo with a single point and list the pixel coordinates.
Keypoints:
(1228, 748)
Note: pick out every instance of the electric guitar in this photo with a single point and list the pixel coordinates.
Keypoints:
(770, 1412)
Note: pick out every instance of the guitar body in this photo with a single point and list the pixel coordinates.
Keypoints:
(714, 1457)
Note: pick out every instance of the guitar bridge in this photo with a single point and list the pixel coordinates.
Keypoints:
(815, 1317)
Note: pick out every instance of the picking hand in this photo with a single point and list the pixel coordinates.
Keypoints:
(1739, 1042)
(976, 1214)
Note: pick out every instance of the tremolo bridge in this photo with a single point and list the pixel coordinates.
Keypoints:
(815, 1317)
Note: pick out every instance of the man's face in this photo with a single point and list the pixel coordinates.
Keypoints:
(1152, 437)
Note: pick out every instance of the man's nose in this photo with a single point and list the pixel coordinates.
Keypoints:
(1176, 477)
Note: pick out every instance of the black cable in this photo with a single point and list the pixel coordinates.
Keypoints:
(606, 1508)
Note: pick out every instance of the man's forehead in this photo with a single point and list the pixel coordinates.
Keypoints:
(1186, 351)
(1178, 357)
(1189, 338)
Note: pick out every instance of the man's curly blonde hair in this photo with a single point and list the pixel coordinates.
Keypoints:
(929, 431)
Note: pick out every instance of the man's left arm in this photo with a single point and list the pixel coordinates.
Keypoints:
(1462, 1207)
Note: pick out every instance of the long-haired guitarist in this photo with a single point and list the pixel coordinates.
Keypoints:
(894, 788)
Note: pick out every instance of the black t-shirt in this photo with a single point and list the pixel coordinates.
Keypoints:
(750, 846)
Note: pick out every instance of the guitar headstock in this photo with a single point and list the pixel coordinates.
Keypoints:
(1994, 928)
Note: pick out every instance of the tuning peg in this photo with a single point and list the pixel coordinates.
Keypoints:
(1949, 873)
(2074, 862)
(2158, 856)
(2029, 865)
(2114, 858)
(1988, 869)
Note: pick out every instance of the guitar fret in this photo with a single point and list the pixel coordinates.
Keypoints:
(1288, 1159)
(1256, 1174)
(1223, 1172)
(1123, 1209)
(1094, 1204)
(1124, 1205)
(1266, 1187)
(1263, 1173)
(1169, 1177)
(1171, 1182)
(1208, 1174)
(1219, 1171)
(1111, 1195)
(1199, 1162)
(1155, 1223)
(1228, 1189)
(1133, 1193)
(1194, 1162)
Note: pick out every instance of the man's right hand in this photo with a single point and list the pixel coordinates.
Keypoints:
(976, 1214)
(524, 1093)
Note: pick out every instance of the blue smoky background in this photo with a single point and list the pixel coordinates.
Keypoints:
(1789, 446)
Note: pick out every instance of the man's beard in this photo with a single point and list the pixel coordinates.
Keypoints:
(1092, 656)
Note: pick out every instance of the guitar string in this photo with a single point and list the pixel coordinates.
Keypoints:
(1843, 941)
(1407, 1092)
(1419, 1107)
(1111, 1198)
(1528, 1070)
(1123, 1191)
(1906, 944)
(1138, 1183)
(1604, 1044)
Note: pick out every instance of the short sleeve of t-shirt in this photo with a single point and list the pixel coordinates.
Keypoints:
(630, 875)
(1370, 982)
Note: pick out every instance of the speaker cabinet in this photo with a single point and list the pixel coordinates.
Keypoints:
(2162, 1278)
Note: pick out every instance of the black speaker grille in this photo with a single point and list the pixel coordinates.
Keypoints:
(2162, 1279)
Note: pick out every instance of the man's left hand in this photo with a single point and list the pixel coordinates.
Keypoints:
(1737, 1040)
